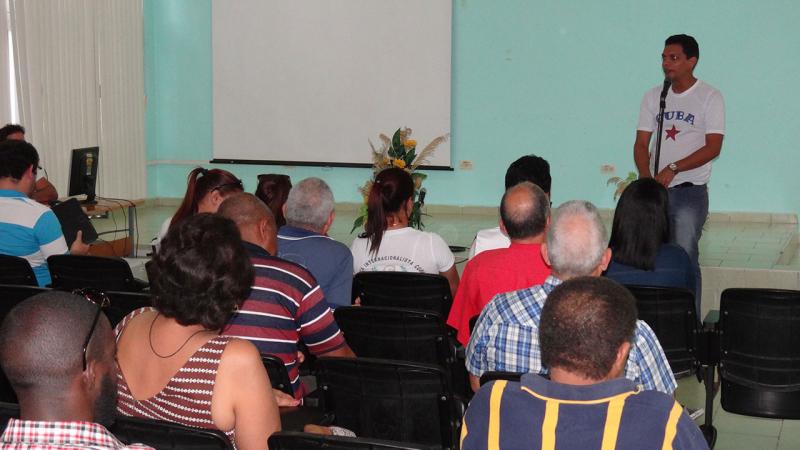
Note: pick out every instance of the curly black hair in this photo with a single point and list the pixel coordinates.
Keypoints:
(202, 273)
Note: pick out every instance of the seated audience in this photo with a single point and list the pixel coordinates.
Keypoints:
(640, 244)
(304, 240)
(43, 192)
(28, 229)
(506, 334)
(285, 305)
(527, 168)
(389, 244)
(524, 213)
(273, 189)
(67, 397)
(586, 403)
(205, 190)
(173, 363)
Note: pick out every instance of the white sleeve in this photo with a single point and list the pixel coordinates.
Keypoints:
(156, 242)
(441, 253)
(358, 252)
(715, 114)
(647, 114)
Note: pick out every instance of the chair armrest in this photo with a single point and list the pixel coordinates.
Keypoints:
(708, 353)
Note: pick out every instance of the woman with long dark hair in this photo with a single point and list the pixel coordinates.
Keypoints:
(641, 252)
(205, 190)
(273, 189)
(388, 243)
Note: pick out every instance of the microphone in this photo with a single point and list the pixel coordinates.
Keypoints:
(667, 84)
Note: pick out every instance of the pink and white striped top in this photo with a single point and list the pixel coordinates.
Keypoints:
(186, 399)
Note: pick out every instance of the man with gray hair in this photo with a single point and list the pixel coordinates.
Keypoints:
(304, 240)
(506, 334)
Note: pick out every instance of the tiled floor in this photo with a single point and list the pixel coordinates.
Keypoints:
(733, 254)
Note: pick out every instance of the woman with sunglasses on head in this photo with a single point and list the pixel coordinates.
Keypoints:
(206, 189)
(389, 244)
(173, 363)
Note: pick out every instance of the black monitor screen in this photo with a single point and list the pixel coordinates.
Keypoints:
(83, 173)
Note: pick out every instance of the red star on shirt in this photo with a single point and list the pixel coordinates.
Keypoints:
(671, 133)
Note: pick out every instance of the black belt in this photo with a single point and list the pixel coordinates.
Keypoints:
(685, 185)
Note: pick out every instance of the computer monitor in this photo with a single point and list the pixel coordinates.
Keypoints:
(83, 173)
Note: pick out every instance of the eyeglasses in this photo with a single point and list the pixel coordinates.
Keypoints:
(237, 183)
(100, 299)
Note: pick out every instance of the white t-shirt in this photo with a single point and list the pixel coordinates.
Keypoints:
(156, 242)
(488, 239)
(688, 118)
(403, 250)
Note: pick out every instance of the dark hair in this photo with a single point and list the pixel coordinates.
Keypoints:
(41, 340)
(525, 218)
(641, 224)
(201, 183)
(389, 192)
(273, 189)
(9, 129)
(687, 43)
(16, 157)
(529, 168)
(202, 272)
(584, 321)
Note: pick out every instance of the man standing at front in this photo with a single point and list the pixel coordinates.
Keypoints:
(694, 125)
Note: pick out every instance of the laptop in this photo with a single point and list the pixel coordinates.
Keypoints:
(73, 218)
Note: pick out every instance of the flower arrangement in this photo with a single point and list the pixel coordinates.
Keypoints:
(399, 151)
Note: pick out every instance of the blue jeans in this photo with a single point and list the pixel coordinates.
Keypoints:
(688, 210)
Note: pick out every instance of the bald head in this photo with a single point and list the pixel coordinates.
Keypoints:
(576, 240)
(524, 211)
(41, 342)
(253, 218)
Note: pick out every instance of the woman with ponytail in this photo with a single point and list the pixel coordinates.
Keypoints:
(205, 191)
(389, 244)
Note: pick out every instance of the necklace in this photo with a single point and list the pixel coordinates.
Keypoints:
(150, 340)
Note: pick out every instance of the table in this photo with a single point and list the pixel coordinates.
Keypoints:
(119, 247)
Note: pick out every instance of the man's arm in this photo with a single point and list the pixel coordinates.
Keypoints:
(44, 191)
(700, 156)
(641, 153)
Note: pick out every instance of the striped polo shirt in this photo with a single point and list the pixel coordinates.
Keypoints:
(538, 413)
(30, 230)
(285, 306)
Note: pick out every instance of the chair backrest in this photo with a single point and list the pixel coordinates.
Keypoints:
(499, 375)
(278, 375)
(16, 270)
(100, 272)
(156, 434)
(168, 436)
(760, 352)
(396, 333)
(394, 400)
(421, 291)
(124, 303)
(670, 313)
(294, 440)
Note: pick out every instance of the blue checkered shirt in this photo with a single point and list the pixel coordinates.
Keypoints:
(506, 338)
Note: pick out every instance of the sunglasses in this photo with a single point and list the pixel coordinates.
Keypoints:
(237, 184)
(100, 299)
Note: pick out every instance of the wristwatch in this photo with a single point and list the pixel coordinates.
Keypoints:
(673, 167)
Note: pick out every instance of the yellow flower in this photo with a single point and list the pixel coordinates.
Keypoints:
(399, 163)
(409, 144)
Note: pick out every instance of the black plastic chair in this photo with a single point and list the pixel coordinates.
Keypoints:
(100, 272)
(420, 291)
(16, 270)
(759, 332)
(499, 375)
(156, 434)
(670, 313)
(393, 400)
(292, 440)
(278, 375)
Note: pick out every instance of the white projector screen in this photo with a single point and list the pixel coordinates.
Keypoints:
(310, 81)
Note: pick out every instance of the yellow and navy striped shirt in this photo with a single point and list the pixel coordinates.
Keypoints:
(539, 413)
